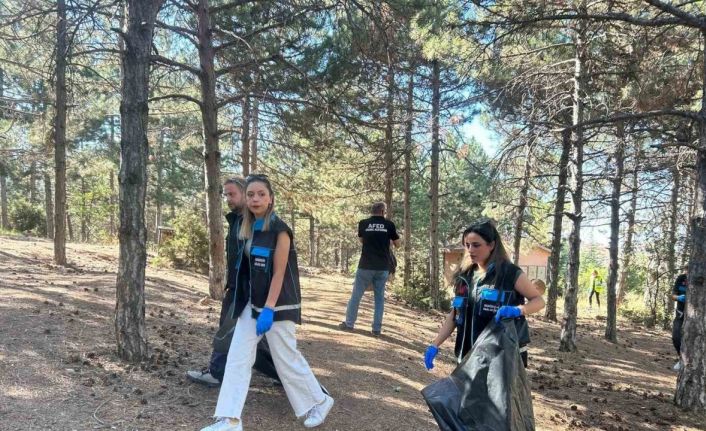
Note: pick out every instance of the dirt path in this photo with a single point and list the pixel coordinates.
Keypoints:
(58, 370)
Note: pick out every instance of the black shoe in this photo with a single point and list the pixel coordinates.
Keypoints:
(344, 327)
(376, 334)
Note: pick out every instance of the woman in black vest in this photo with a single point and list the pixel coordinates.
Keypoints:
(268, 303)
(488, 287)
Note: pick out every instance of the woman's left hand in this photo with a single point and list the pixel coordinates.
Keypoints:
(507, 312)
(264, 320)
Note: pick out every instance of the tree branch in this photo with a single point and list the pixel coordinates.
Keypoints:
(169, 62)
(236, 3)
(176, 96)
(233, 67)
(687, 18)
(189, 35)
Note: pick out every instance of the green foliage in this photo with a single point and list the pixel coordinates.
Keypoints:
(416, 294)
(188, 248)
(633, 308)
(27, 218)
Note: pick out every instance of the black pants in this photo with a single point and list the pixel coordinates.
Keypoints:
(263, 358)
(676, 333)
(590, 298)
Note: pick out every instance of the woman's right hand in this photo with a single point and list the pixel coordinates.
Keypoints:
(429, 356)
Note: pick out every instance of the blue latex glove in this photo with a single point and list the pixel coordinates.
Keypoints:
(264, 321)
(429, 356)
(507, 312)
(681, 298)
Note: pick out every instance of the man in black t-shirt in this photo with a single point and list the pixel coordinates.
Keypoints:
(679, 295)
(375, 233)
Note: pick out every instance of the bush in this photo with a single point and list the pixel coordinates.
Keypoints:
(27, 218)
(633, 308)
(417, 294)
(188, 248)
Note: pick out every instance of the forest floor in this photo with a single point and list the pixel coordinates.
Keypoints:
(59, 371)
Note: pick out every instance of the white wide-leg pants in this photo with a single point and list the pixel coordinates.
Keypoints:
(300, 384)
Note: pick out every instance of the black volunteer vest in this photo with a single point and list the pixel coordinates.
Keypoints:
(256, 286)
(481, 301)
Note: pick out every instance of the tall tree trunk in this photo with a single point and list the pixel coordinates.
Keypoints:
(111, 145)
(60, 137)
(337, 254)
(409, 124)
(84, 211)
(611, 330)
(630, 231)
(254, 134)
(652, 289)
(4, 221)
(691, 199)
(555, 256)
(111, 204)
(671, 243)
(48, 205)
(567, 342)
(522, 204)
(138, 31)
(158, 187)
(212, 154)
(347, 261)
(691, 383)
(33, 182)
(245, 136)
(434, 189)
(389, 138)
(69, 227)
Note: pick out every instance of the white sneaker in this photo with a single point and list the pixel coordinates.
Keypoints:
(678, 366)
(317, 415)
(224, 424)
(203, 377)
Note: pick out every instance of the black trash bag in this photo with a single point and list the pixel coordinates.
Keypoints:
(489, 390)
(224, 335)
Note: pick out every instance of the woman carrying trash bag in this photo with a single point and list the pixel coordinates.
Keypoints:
(488, 287)
(268, 303)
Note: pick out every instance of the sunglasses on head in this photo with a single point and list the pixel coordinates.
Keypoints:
(482, 223)
(256, 177)
(485, 225)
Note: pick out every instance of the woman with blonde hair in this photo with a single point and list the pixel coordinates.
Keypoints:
(268, 303)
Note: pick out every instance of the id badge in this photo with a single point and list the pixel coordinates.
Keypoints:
(490, 301)
(260, 257)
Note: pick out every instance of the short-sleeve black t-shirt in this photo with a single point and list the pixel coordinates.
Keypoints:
(376, 232)
(680, 286)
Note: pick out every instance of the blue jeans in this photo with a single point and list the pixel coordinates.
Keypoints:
(363, 278)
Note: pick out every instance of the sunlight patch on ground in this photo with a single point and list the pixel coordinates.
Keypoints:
(387, 373)
(387, 400)
(21, 392)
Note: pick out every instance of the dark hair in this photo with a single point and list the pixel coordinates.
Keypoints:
(248, 217)
(486, 229)
(378, 208)
(238, 181)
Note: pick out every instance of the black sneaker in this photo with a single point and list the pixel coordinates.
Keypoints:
(344, 327)
(376, 333)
